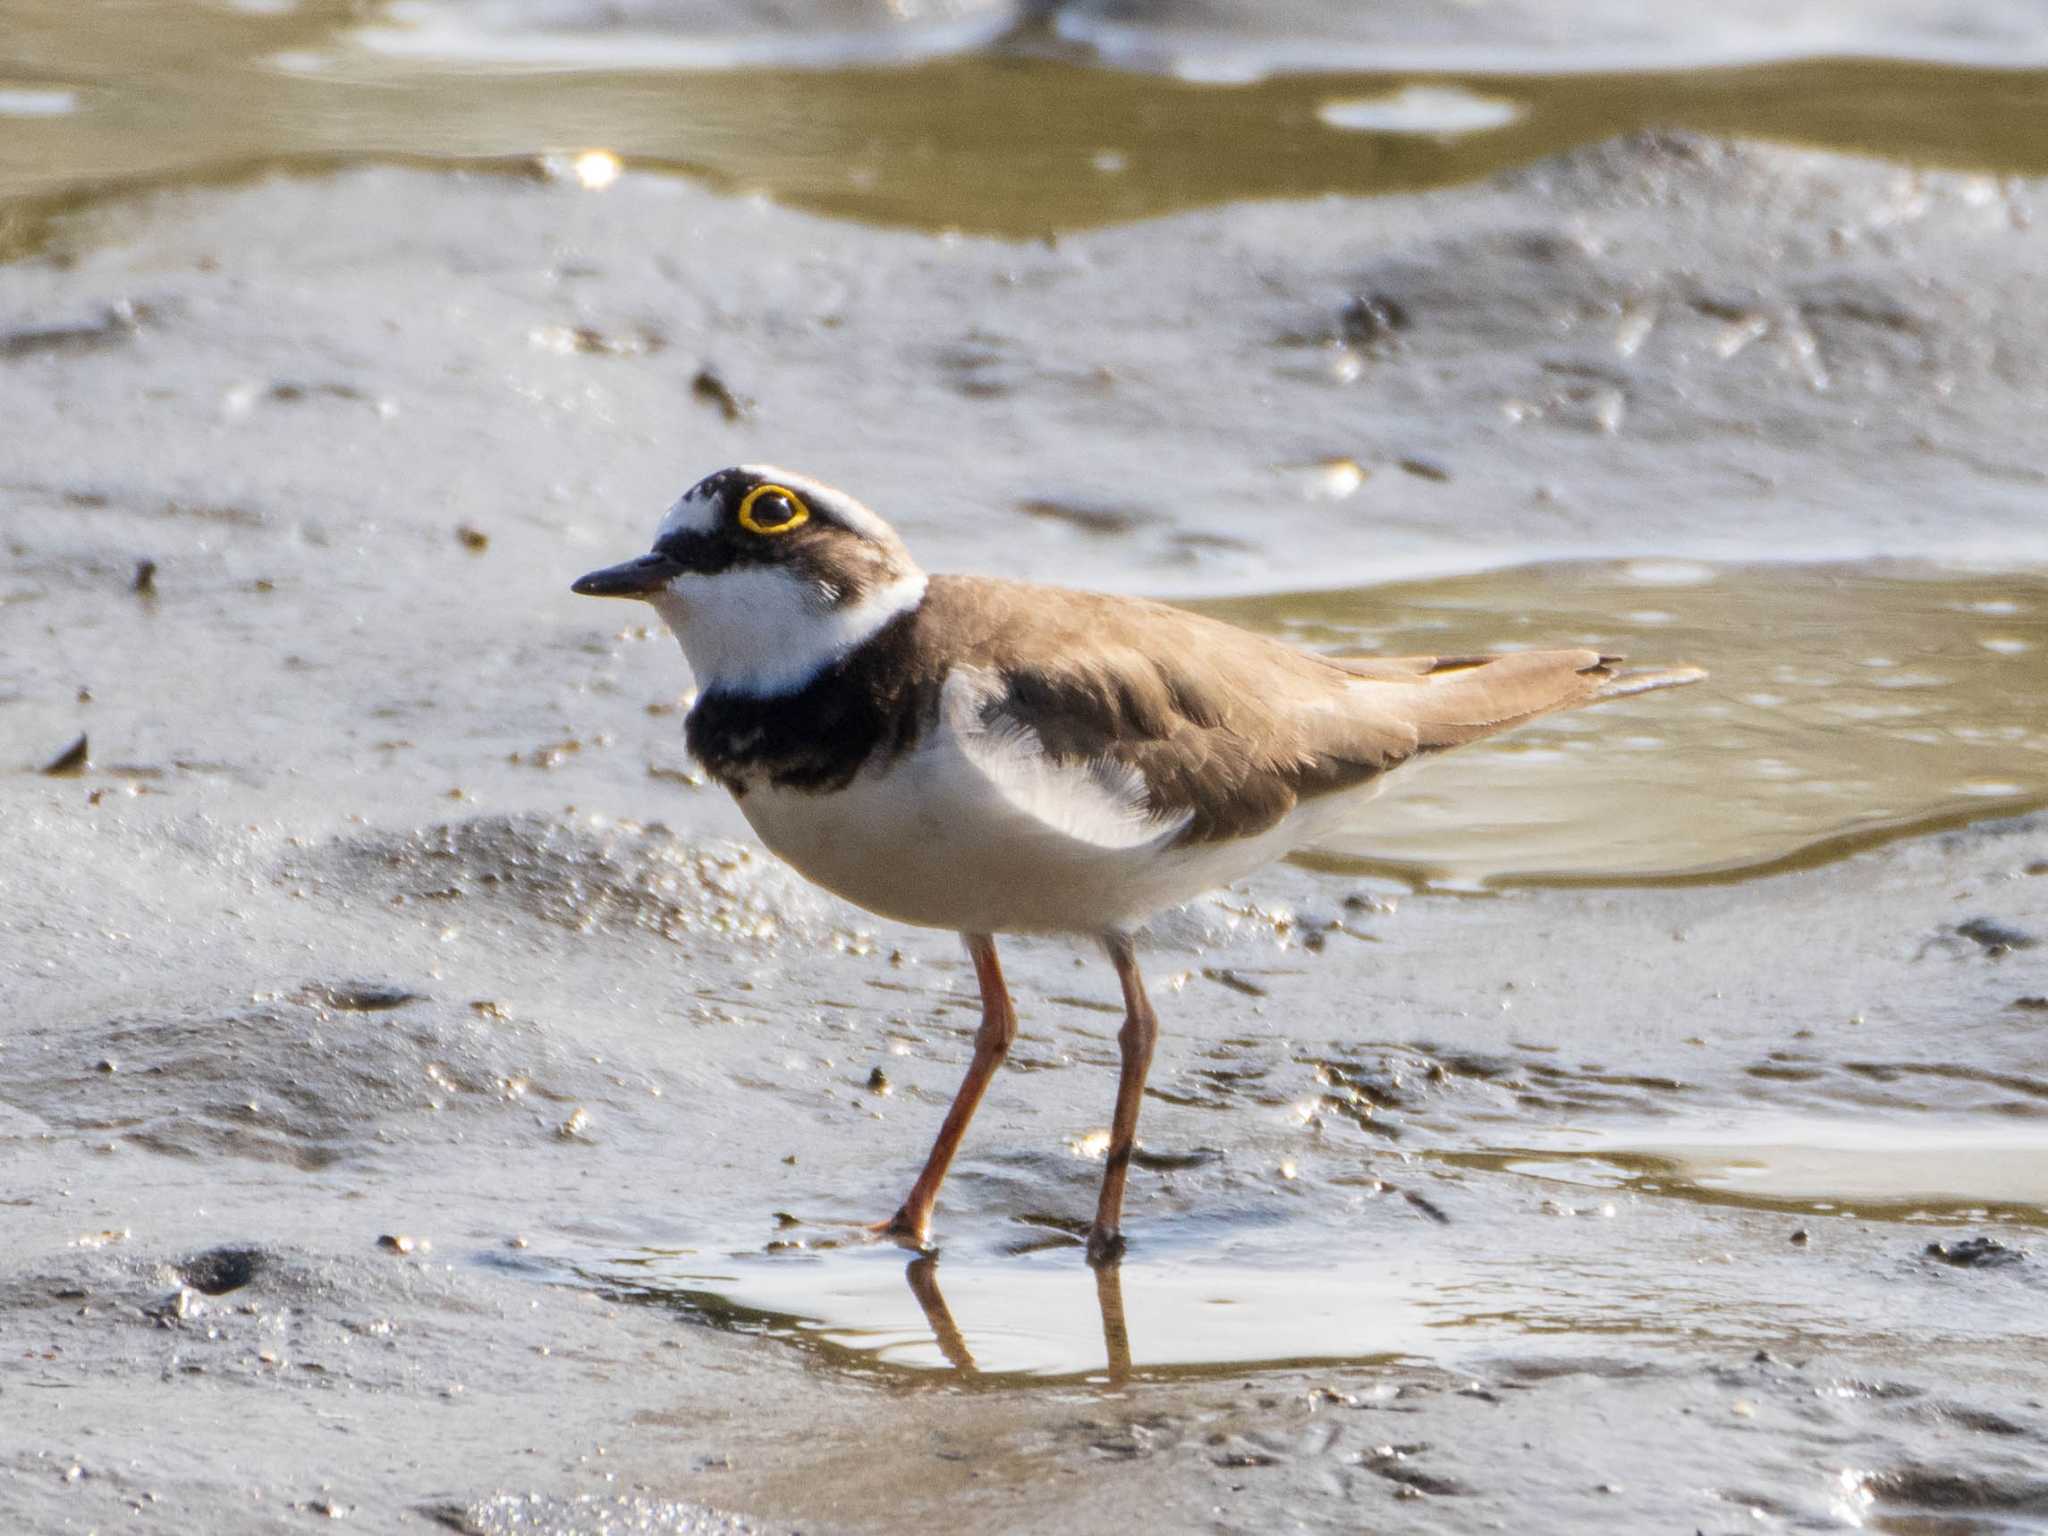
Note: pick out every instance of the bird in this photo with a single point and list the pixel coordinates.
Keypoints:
(994, 757)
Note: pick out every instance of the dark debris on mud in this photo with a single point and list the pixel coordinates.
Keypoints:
(217, 1271)
(1995, 938)
(1975, 1253)
(1985, 1501)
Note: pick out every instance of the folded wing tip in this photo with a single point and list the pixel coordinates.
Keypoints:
(1645, 679)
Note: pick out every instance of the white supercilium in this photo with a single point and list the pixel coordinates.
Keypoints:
(692, 513)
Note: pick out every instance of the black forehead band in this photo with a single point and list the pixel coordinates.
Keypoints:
(726, 487)
(702, 554)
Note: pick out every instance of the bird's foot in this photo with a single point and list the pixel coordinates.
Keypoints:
(1105, 1246)
(904, 1229)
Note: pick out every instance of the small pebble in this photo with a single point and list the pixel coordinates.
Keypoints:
(71, 762)
(708, 388)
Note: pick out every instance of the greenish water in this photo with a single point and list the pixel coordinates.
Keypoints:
(1015, 142)
(1845, 706)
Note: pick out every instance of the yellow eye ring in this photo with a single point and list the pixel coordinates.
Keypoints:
(799, 515)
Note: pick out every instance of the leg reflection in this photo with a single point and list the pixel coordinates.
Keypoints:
(923, 1275)
(1116, 1338)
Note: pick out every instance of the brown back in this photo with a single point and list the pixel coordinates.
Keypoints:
(1227, 727)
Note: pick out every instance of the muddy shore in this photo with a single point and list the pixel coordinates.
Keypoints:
(426, 1103)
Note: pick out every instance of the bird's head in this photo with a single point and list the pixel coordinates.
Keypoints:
(766, 577)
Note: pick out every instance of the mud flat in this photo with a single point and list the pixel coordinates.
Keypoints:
(426, 1104)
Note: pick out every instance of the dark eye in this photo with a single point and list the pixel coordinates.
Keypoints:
(772, 509)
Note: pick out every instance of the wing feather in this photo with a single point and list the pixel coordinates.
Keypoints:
(1187, 723)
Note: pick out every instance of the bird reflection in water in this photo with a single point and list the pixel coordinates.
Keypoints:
(923, 1275)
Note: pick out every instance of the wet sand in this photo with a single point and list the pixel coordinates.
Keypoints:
(427, 1103)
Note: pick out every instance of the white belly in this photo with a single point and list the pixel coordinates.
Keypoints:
(982, 841)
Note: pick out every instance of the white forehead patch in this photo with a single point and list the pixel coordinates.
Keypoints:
(689, 513)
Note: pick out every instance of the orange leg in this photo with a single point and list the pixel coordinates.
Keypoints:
(1136, 1038)
(991, 1044)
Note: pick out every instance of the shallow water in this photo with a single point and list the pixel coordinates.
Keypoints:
(1944, 1172)
(1846, 705)
(1596, 1238)
(1018, 143)
(1008, 1319)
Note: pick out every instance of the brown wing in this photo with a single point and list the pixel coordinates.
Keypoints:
(1229, 729)
(1402, 668)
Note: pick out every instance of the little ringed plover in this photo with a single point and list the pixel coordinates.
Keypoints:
(993, 757)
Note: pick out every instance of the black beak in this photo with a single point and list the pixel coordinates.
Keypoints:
(631, 578)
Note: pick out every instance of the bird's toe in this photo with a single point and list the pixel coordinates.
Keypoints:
(904, 1229)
